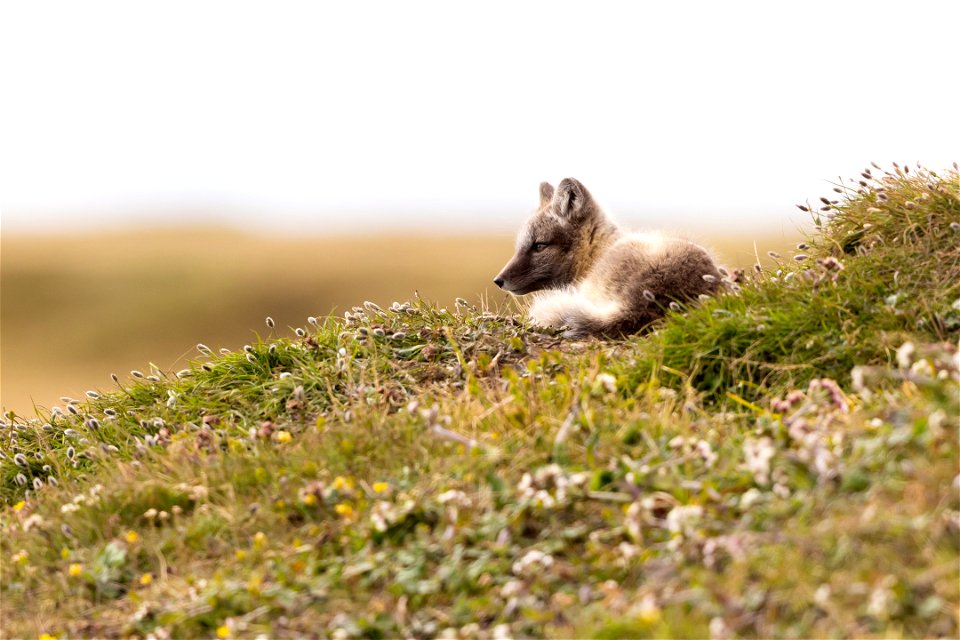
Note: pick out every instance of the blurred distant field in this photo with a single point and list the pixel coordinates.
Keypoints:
(77, 308)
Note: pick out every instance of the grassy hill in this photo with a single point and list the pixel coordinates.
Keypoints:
(780, 461)
(79, 306)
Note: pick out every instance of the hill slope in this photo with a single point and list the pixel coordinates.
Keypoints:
(778, 461)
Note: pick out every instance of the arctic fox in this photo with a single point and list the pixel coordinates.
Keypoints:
(594, 279)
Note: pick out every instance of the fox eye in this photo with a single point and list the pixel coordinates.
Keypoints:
(539, 246)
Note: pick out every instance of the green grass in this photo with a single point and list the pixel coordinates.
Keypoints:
(774, 462)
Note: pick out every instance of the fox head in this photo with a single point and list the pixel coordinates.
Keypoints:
(559, 242)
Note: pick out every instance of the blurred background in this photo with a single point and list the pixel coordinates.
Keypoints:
(173, 173)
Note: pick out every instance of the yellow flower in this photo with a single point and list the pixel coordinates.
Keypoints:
(259, 540)
(75, 569)
(282, 437)
(344, 510)
(64, 553)
(649, 612)
(310, 499)
(340, 483)
(146, 579)
(223, 631)
(132, 537)
(240, 554)
(20, 505)
(280, 504)
(47, 636)
(21, 557)
(381, 487)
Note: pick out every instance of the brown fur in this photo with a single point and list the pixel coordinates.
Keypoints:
(598, 280)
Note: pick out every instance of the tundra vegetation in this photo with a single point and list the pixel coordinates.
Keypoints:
(778, 461)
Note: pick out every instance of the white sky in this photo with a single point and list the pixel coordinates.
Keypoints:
(387, 115)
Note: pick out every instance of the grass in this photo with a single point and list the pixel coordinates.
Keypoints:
(781, 461)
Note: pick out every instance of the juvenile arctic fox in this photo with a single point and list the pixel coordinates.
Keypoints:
(594, 279)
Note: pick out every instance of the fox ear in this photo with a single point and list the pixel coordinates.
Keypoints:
(546, 193)
(572, 198)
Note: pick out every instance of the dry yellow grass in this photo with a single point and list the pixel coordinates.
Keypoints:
(78, 307)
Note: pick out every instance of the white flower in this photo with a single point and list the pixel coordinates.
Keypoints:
(502, 632)
(719, 629)
(749, 498)
(684, 519)
(905, 355)
(511, 589)
(454, 497)
(882, 599)
(606, 382)
(33, 520)
(758, 454)
(923, 368)
(530, 560)
(822, 596)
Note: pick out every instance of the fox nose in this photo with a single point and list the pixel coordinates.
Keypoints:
(498, 281)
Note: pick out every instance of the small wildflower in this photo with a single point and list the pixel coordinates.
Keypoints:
(674, 306)
(282, 437)
(300, 332)
(719, 629)
(648, 612)
(342, 484)
(649, 295)
(527, 564)
(240, 554)
(46, 636)
(132, 537)
(344, 510)
(380, 487)
(800, 257)
(20, 557)
(75, 569)
(309, 499)
(259, 540)
(312, 320)
(65, 553)
(708, 277)
(905, 355)
(605, 382)
(93, 395)
(20, 460)
(20, 505)
(271, 324)
(146, 579)
(223, 631)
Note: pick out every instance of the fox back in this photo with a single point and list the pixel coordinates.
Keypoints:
(594, 279)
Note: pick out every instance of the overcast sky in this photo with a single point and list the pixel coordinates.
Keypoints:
(366, 115)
